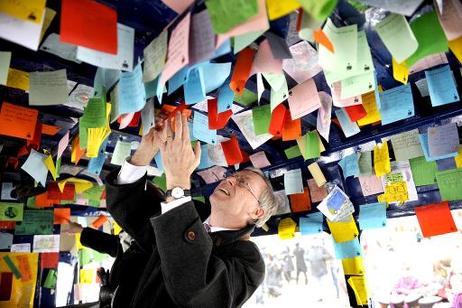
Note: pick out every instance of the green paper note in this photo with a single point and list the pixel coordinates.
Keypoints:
(242, 41)
(423, 171)
(35, 222)
(365, 163)
(261, 116)
(160, 181)
(86, 256)
(450, 184)
(94, 115)
(319, 9)
(11, 211)
(199, 198)
(226, 14)
(430, 37)
(93, 193)
(312, 145)
(247, 98)
(50, 281)
(293, 152)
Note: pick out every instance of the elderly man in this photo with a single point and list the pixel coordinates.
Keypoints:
(185, 254)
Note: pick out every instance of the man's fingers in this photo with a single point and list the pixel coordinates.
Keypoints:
(197, 154)
(184, 121)
(178, 126)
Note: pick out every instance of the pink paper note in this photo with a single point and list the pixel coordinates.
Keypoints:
(62, 145)
(345, 102)
(212, 175)
(303, 99)
(370, 185)
(264, 62)
(451, 19)
(178, 49)
(324, 115)
(427, 62)
(259, 160)
(304, 63)
(178, 6)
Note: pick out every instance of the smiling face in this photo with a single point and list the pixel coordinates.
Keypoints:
(234, 200)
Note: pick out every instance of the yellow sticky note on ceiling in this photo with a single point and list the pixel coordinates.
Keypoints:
(400, 71)
(343, 231)
(278, 8)
(458, 158)
(353, 266)
(117, 228)
(317, 174)
(80, 185)
(370, 105)
(382, 164)
(51, 166)
(18, 79)
(77, 241)
(286, 228)
(87, 275)
(456, 48)
(394, 192)
(29, 10)
(358, 284)
(49, 15)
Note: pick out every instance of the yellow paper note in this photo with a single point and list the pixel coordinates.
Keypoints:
(400, 71)
(80, 185)
(77, 241)
(358, 284)
(458, 158)
(322, 148)
(456, 48)
(394, 192)
(96, 136)
(18, 79)
(343, 231)
(51, 166)
(117, 228)
(29, 10)
(317, 174)
(49, 15)
(353, 266)
(286, 228)
(382, 164)
(370, 105)
(278, 8)
(87, 275)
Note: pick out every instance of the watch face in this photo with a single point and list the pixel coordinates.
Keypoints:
(177, 192)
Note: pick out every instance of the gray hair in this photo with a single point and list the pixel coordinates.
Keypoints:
(268, 200)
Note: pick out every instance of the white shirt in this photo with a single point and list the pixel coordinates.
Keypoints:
(130, 173)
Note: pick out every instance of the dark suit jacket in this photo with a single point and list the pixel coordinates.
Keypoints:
(174, 261)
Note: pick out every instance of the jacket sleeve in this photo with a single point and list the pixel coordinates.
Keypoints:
(131, 206)
(100, 241)
(195, 275)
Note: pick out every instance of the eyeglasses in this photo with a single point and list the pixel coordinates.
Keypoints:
(242, 182)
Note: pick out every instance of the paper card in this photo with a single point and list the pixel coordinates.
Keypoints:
(225, 17)
(217, 120)
(353, 266)
(21, 32)
(310, 145)
(18, 79)
(277, 9)
(286, 228)
(244, 121)
(242, 70)
(94, 26)
(365, 163)
(53, 45)
(356, 112)
(278, 45)
(122, 60)
(349, 249)
(49, 260)
(98, 222)
(317, 174)
(121, 151)
(304, 63)
(443, 140)
(450, 19)
(24, 10)
(349, 165)
(382, 164)
(212, 175)
(293, 152)
(22, 247)
(48, 88)
(259, 160)
(178, 49)
(343, 231)
(202, 40)
(292, 129)
(300, 202)
(79, 97)
(406, 145)
(18, 121)
(154, 57)
(396, 104)
(317, 193)
(264, 61)
(232, 151)
(450, 184)
(372, 215)
(6, 282)
(217, 73)
(310, 29)
(424, 142)
(303, 99)
(6, 240)
(61, 216)
(435, 219)
(225, 98)
(131, 94)
(5, 59)
(370, 105)
(396, 34)
(311, 224)
(370, 185)
(194, 88)
(349, 128)
(35, 167)
(201, 129)
(441, 86)
(293, 182)
(428, 44)
(336, 206)
(358, 283)
(46, 243)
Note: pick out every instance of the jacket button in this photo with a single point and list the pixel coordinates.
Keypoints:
(190, 235)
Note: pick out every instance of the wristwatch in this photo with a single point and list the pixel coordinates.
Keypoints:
(178, 192)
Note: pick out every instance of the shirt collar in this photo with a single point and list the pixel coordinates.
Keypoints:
(216, 228)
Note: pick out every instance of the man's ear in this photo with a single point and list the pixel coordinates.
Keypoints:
(258, 213)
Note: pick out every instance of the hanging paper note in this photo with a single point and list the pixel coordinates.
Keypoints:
(358, 284)
(309, 30)
(458, 158)
(242, 70)
(225, 98)
(121, 151)
(259, 160)
(46, 243)
(435, 219)
(48, 88)
(349, 165)
(336, 206)
(51, 166)
(194, 88)
(35, 166)
(24, 10)
(224, 15)
(456, 48)
(372, 215)
(293, 182)
(217, 120)
(286, 228)
(303, 99)
(324, 115)
(201, 129)
(244, 121)
(317, 194)
(349, 249)
(353, 266)
(62, 216)
(450, 184)
(292, 129)
(278, 118)
(293, 152)
(450, 17)
(10, 211)
(277, 9)
(18, 121)
(264, 61)
(317, 174)
(406, 145)
(443, 140)
(5, 59)
(202, 40)
(300, 202)
(154, 57)
(343, 231)
(232, 151)
(369, 104)
(261, 116)
(396, 104)
(349, 128)
(311, 224)
(441, 86)
(304, 63)
(382, 164)
(400, 71)
(365, 163)
(131, 94)
(278, 45)
(309, 145)
(35, 222)
(425, 148)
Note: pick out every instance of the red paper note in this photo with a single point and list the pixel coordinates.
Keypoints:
(232, 151)
(242, 70)
(17, 121)
(49, 260)
(356, 112)
(7, 225)
(61, 216)
(320, 37)
(98, 222)
(50, 130)
(89, 24)
(217, 120)
(300, 202)
(278, 117)
(435, 219)
(36, 139)
(6, 286)
(43, 201)
(292, 128)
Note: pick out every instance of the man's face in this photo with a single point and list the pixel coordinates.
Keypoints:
(236, 197)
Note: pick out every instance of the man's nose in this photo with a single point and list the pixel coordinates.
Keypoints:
(231, 180)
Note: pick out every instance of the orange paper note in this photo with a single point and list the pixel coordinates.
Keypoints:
(356, 112)
(300, 202)
(233, 153)
(278, 117)
(17, 121)
(49, 260)
(292, 128)
(62, 216)
(77, 152)
(242, 70)
(50, 130)
(99, 221)
(435, 219)
(320, 37)
(217, 120)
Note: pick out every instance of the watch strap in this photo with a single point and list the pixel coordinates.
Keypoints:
(186, 193)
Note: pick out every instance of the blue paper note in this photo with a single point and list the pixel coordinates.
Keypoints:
(95, 164)
(396, 104)
(424, 142)
(293, 182)
(216, 74)
(446, 164)
(205, 162)
(201, 129)
(6, 240)
(225, 98)
(223, 49)
(311, 224)
(131, 92)
(443, 140)
(441, 86)
(159, 163)
(35, 166)
(372, 215)
(178, 80)
(349, 165)
(349, 249)
(349, 128)
(194, 88)
(151, 88)
(104, 80)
